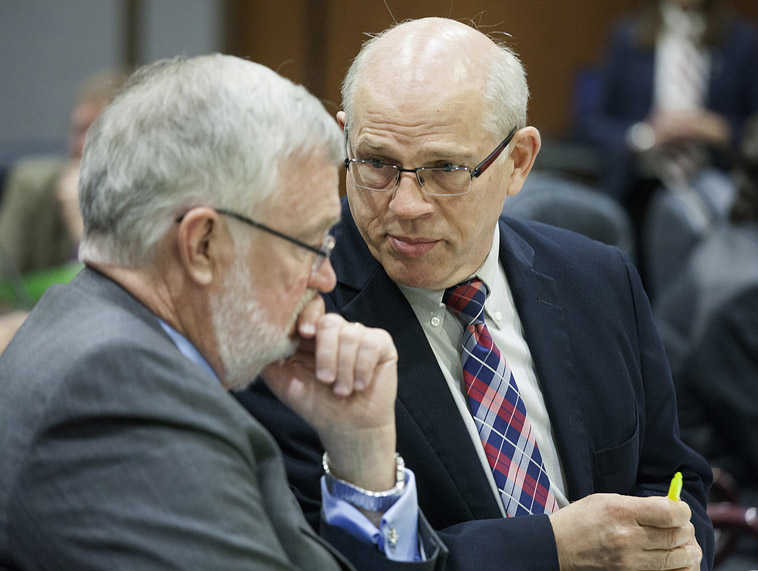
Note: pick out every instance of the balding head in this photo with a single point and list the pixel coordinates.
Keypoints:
(421, 59)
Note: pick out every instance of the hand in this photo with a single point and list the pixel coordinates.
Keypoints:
(610, 531)
(343, 380)
(701, 125)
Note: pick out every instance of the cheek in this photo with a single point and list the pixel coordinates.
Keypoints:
(367, 208)
(468, 225)
(290, 293)
(281, 288)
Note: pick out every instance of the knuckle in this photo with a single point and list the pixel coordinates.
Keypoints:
(382, 340)
(330, 320)
(351, 332)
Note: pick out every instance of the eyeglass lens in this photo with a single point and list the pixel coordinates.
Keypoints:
(434, 180)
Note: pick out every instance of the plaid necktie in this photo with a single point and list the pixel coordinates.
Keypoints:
(498, 410)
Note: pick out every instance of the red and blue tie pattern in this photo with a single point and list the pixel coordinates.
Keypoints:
(498, 409)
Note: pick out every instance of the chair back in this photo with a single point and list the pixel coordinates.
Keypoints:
(561, 202)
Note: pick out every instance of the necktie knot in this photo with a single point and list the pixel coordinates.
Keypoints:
(466, 300)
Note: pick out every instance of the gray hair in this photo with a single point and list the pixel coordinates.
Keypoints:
(505, 93)
(213, 130)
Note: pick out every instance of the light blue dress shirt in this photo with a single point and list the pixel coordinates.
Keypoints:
(397, 535)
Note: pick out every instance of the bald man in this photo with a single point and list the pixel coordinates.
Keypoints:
(535, 402)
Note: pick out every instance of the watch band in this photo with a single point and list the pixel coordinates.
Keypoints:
(366, 499)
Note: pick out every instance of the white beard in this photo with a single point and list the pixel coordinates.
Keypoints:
(247, 341)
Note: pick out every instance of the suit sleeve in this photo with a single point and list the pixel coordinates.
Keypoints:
(662, 451)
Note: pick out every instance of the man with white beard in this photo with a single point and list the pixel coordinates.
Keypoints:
(207, 189)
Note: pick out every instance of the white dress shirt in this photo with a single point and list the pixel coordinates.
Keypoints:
(444, 332)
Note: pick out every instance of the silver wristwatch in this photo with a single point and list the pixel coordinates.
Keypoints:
(366, 499)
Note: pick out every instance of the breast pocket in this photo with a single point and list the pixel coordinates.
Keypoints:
(615, 467)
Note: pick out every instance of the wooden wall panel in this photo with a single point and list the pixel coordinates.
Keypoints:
(313, 41)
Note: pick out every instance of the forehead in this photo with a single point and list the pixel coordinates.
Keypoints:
(408, 96)
(441, 124)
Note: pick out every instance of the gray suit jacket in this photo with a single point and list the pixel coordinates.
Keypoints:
(120, 453)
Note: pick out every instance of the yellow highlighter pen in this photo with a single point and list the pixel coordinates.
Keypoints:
(675, 488)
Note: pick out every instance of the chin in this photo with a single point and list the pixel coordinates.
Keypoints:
(419, 276)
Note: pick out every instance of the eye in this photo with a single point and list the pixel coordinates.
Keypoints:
(445, 166)
(376, 163)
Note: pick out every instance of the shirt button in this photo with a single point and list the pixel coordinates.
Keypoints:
(435, 321)
(498, 316)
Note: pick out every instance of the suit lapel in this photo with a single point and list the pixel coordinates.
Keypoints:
(542, 312)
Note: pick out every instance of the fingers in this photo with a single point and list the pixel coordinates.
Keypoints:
(327, 347)
(659, 511)
(684, 557)
(667, 538)
(348, 354)
(309, 316)
(377, 347)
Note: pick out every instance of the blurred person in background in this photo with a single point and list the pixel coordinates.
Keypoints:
(40, 221)
(724, 263)
(718, 403)
(677, 84)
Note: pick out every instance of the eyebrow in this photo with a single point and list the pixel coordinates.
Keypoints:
(434, 153)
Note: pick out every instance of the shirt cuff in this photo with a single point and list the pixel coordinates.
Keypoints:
(397, 536)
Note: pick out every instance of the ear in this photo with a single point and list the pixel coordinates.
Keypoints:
(525, 146)
(341, 120)
(201, 244)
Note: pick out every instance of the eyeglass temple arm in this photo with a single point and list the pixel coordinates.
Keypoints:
(489, 159)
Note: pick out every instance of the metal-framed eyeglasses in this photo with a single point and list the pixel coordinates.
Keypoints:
(322, 252)
(444, 180)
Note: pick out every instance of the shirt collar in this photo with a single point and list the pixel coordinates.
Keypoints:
(186, 348)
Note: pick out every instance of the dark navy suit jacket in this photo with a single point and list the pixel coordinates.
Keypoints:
(601, 368)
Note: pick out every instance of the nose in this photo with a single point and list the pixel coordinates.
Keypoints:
(324, 279)
(408, 201)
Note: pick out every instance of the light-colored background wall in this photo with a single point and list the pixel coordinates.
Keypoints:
(48, 47)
